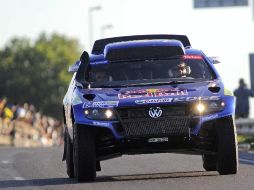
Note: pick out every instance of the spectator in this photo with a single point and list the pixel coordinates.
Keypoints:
(2, 106)
(24, 123)
(242, 94)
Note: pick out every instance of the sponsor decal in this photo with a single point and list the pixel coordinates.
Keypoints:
(153, 93)
(189, 99)
(152, 90)
(153, 101)
(104, 124)
(101, 104)
(177, 99)
(192, 57)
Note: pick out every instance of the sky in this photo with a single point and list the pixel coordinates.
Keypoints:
(224, 32)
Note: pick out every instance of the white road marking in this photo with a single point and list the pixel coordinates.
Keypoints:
(19, 178)
(5, 161)
(246, 160)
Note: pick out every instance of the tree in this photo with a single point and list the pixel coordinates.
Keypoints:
(37, 72)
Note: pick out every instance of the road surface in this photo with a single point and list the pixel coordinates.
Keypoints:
(41, 168)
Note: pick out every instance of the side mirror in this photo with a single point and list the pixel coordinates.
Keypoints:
(85, 57)
(74, 68)
(215, 60)
(82, 69)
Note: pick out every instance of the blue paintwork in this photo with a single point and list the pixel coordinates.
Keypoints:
(200, 89)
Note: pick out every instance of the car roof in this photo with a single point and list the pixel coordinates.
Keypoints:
(99, 45)
(142, 43)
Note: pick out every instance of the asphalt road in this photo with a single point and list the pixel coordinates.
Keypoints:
(41, 168)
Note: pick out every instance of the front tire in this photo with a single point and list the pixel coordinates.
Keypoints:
(227, 147)
(209, 162)
(69, 156)
(84, 153)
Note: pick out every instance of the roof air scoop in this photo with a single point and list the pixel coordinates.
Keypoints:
(143, 50)
(99, 45)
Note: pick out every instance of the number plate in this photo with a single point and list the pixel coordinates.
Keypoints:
(155, 140)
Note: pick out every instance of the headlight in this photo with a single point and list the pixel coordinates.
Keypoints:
(108, 114)
(207, 107)
(100, 114)
(200, 107)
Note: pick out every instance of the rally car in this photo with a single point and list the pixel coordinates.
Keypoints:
(147, 94)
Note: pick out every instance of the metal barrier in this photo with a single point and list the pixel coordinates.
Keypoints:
(245, 126)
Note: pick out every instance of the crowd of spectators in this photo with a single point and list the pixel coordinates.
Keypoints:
(24, 121)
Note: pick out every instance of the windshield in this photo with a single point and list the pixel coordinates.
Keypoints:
(147, 72)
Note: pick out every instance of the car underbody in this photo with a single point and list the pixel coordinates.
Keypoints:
(203, 143)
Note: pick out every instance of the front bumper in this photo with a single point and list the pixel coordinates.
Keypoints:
(203, 143)
(125, 128)
(196, 135)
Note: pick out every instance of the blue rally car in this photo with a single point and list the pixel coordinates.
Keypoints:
(147, 94)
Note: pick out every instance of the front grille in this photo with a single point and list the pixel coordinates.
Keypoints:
(136, 122)
(142, 112)
(156, 127)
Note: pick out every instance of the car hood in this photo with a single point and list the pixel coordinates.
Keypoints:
(164, 94)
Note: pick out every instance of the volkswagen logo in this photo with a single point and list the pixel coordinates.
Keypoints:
(155, 112)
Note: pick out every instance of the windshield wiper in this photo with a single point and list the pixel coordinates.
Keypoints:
(109, 86)
(173, 82)
(161, 83)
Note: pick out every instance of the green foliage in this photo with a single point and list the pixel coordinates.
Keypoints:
(37, 72)
(248, 139)
(245, 138)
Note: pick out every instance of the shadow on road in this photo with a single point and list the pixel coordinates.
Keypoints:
(155, 176)
(63, 181)
(35, 182)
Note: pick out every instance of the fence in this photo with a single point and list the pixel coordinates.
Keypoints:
(23, 134)
(245, 126)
